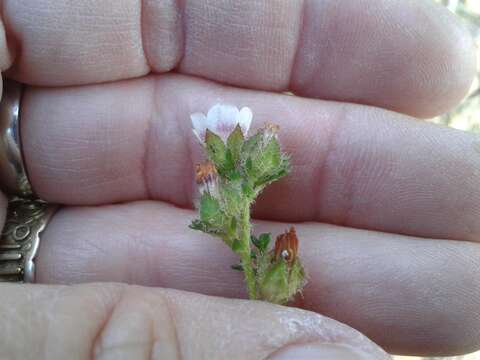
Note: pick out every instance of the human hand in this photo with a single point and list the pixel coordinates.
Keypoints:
(401, 263)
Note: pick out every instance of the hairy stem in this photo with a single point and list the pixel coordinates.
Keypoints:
(245, 256)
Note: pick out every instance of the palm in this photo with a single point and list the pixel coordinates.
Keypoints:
(395, 189)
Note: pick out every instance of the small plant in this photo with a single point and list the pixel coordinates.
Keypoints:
(237, 170)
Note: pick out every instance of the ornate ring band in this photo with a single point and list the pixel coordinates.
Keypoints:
(20, 238)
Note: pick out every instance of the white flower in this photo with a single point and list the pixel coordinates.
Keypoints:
(221, 119)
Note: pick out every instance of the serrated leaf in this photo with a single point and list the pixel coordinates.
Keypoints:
(235, 143)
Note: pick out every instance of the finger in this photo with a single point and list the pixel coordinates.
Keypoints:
(410, 56)
(352, 165)
(113, 321)
(409, 295)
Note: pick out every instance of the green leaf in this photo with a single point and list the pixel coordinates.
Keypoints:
(235, 143)
(210, 210)
(216, 150)
(237, 267)
(261, 243)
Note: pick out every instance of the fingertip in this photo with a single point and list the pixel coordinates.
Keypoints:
(411, 56)
(451, 55)
(264, 330)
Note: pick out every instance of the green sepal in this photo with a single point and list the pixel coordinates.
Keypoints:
(280, 171)
(264, 163)
(252, 145)
(273, 284)
(278, 280)
(249, 165)
(261, 243)
(234, 144)
(217, 151)
(297, 279)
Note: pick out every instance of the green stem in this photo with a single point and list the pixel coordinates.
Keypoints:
(245, 254)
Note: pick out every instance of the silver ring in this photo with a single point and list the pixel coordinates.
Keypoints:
(20, 239)
(27, 216)
(13, 179)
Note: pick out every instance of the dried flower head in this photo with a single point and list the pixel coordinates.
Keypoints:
(286, 246)
(221, 119)
(270, 131)
(206, 177)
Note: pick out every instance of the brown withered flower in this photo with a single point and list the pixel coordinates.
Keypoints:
(206, 176)
(286, 246)
(270, 131)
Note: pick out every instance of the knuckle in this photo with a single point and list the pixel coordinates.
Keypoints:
(140, 325)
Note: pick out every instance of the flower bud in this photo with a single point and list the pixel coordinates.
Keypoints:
(282, 275)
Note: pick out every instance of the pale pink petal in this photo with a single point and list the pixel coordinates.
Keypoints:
(245, 119)
(200, 137)
(222, 119)
(199, 123)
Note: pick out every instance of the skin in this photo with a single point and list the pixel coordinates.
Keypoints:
(387, 204)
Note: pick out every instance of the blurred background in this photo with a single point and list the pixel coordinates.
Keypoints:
(467, 115)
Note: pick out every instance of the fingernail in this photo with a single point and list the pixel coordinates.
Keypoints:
(318, 351)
